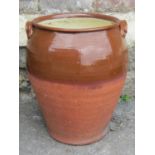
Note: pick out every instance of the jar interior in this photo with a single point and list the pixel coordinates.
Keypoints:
(76, 23)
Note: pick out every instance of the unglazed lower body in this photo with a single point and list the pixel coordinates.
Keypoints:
(77, 114)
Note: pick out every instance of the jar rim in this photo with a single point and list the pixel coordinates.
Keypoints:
(35, 22)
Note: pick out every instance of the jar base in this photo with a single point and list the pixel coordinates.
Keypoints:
(82, 142)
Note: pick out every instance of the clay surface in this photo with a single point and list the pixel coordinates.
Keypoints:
(77, 114)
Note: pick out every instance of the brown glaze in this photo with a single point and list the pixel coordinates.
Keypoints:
(77, 76)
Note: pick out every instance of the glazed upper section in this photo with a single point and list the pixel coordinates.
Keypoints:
(80, 57)
(77, 57)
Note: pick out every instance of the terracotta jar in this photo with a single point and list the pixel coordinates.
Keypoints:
(77, 75)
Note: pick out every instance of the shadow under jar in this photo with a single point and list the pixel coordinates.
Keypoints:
(77, 64)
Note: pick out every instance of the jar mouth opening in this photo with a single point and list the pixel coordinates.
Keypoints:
(77, 22)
